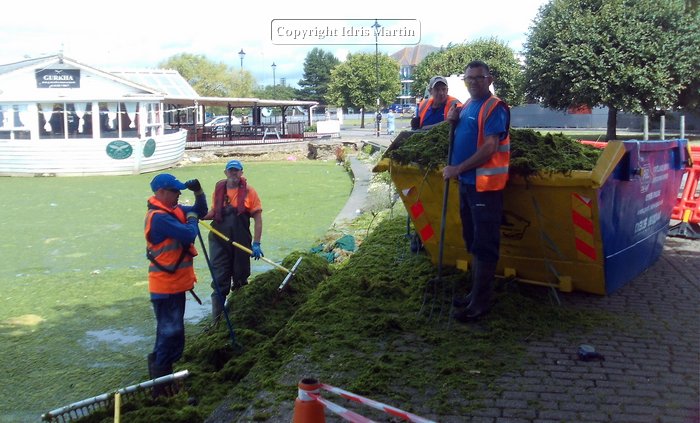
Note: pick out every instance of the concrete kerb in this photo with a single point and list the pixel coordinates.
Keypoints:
(297, 150)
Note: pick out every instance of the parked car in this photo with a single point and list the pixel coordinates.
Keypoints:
(222, 121)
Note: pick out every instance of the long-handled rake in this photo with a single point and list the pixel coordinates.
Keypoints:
(221, 297)
(441, 246)
(290, 273)
(83, 408)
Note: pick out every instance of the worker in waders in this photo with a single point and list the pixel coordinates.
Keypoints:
(234, 204)
(170, 231)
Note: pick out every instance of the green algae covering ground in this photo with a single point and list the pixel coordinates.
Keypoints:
(358, 326)
(76, 320)
(531, 152)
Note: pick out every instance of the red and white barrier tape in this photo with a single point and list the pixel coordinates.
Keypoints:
(393, 411)
(341, 411)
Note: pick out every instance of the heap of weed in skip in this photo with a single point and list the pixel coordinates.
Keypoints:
(257, 313)
(531, 152)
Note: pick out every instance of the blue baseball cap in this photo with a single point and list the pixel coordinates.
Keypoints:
(234, 164)
(166, 181)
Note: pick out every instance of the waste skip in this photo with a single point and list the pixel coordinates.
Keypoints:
(590, 231)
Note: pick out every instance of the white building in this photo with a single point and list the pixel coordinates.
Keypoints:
(59, 117)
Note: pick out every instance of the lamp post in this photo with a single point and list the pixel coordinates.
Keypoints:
(376, 27)
(241, 54)
(273, 77)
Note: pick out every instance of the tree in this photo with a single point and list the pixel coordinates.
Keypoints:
(631, 55)
(317, 73)
(279, 92)
(501, 59)
(354, 82)
(211, 79)
(242, 84)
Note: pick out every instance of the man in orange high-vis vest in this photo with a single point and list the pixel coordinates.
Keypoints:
(480, 159)
(170, 230)
(234, 204)
(433, 110)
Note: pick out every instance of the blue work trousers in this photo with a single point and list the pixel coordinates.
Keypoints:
(170, 328)
(481, 214)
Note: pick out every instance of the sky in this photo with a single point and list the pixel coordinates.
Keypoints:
(139, 34)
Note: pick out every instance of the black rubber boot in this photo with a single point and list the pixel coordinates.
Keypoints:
(482, 290)
(151, 359)
(217, 307)
(462, 302)
(162, 389)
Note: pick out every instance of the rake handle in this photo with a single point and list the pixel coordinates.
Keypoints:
(242, 247)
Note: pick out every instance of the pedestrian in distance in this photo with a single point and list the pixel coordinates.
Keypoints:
(170, 230)
(234, 204)
(480, 159)
(433, 110)
(390, 123)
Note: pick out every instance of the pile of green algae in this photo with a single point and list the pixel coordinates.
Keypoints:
(375, 325)
(531, 152)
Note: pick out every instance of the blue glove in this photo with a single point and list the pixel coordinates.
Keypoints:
(257, 252)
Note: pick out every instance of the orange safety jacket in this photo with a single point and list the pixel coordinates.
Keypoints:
(221, 200)
(426, 104)
(493, 174)
(171, 270)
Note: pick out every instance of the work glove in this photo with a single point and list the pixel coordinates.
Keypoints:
(257, 252)
(193, 185)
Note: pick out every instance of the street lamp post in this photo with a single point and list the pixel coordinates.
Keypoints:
(376, 27)
(241, 54)
(273, 77)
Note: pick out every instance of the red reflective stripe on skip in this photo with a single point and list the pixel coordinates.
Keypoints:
(587, 202)
(582, 222)
(427, 232)
(585, 249)
(417, 209)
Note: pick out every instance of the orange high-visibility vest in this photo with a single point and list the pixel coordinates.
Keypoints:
(170, 270)
(426, 104)
(493, 174)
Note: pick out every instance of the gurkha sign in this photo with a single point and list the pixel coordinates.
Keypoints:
(57, 78)
(119, 150)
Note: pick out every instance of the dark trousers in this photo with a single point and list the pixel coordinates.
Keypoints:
(170, 329)
(229, 264)
(481, 221)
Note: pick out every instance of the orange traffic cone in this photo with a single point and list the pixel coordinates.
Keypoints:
(307, 409)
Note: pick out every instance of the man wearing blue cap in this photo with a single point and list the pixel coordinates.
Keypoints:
(170, 230)
(234, 204)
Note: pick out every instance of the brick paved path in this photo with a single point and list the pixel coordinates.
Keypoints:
(651, 371)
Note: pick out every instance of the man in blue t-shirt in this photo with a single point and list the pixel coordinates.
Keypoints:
(480, 157)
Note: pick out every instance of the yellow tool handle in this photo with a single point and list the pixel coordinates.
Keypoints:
(237, 245)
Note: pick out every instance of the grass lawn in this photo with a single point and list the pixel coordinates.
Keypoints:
(75, 319)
